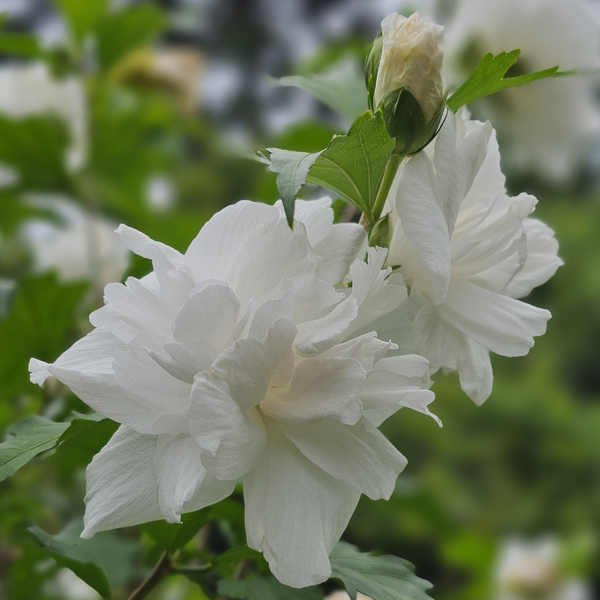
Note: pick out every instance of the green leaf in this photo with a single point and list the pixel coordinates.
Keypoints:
(41, 317)
(353, 164)
(488, 78)
(236, 554)
(379, 577)
(77, 556)
(82, 17)
(121, 32)
(7, 293)
(341, 87)
(292, 169)
(20, 44)
(35, 435)
(267, 588)
(172, 536)
(35, 147)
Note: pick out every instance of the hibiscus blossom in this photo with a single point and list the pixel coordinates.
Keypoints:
(236, 360)
(467, 251)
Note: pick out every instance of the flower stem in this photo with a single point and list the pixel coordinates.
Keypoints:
(384, 188)
(160, 571)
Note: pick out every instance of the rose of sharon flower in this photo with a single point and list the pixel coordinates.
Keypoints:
(235, 360)
(467, 251)
(544, 123)
(411, 58)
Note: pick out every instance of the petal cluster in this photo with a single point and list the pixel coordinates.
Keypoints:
(467, 251)
(241, 360)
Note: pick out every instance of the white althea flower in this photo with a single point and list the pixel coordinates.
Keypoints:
(79, 245)
(467, 251)
(544, 123)
(29, 90)
(235, 360)
(411, 58)
(532, 569)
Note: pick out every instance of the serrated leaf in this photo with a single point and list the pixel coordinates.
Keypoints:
(76, 556)
(172, 536)
(35, 435)
(267, 588)
(292, 170)
(341, 87)
(236, 554)
(353, 164)
(379, 577)
(488, 78)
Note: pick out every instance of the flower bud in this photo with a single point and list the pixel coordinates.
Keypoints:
(404, 78)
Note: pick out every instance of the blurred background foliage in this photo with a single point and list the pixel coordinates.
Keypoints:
(143, 113)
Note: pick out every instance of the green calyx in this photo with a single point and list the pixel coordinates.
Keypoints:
(406, 123)
(372, 68)
(379, 234)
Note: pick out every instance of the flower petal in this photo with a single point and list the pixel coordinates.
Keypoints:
(295, 512)
(358, 455)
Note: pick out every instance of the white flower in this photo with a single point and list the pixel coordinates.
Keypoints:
(529, 569)
(236, 361)
(467, 251)
(411, 58)
(80, 245)
(28, 90)
(546, 122)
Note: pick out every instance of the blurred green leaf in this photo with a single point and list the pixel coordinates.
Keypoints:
(353, 164)
(82, 17)
(14, 210)
(488, 78)
(119, 33)
(236, 554)
(173, 536)
(379, 577)
(292, 169)
(35, 435)
(7, 293)
(78, 557)
(19, 44)
(341, 87)
(267, 588)
(35, 147)
(42, 314)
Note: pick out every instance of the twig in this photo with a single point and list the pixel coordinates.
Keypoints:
(160, 571)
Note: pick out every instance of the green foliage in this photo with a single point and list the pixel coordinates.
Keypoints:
(341, 87)
(37, 326)
(77, 556)
(236, 554)
(488, 78)
(19, 44)
(353, 164)
(267, 588)
(35, 147)
(35, 435)
(292, 169)
(82, 17)
(118, 33)
(173, 536)
(379, 577)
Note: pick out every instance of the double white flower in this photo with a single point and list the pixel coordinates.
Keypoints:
(467, 251)
(240, 359)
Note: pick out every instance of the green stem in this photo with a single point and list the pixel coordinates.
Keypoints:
(384, 188)
(160, 571)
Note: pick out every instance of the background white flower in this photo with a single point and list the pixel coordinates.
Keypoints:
(467, 251)
(236, 361)
(78, 245)
(546, 122)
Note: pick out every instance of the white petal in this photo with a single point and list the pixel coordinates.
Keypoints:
(315, 215)
(499, 323)
(121, 485)
(250, 247)
(338, 250)
(424, 221)
(358, 455)
(182, 478)
(322, 388)
(232, 439)
(295, 512)
(210, 313)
